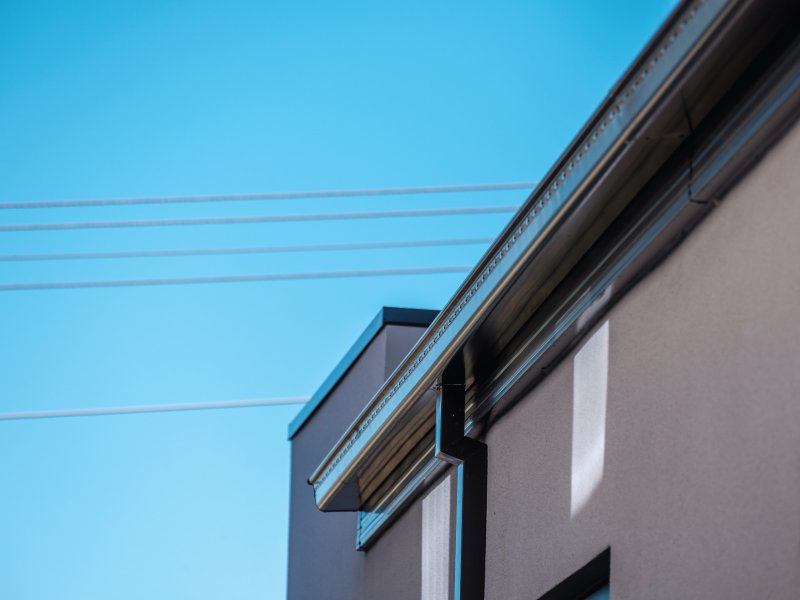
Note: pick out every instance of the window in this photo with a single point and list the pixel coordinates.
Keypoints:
(588, 583)
(601, 594)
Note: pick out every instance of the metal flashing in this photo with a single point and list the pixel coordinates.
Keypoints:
(752, 121)
(387, 315)
(692, 61)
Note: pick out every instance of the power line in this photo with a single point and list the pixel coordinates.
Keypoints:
(64, 285)
(441, 189)
(153, 408)
(388, 214)
(247, 250)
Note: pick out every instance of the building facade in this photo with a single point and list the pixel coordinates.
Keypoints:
(610, 404)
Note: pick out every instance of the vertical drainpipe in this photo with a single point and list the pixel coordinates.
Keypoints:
(470, 456)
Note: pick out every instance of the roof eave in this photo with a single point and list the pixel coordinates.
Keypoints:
(635, 103)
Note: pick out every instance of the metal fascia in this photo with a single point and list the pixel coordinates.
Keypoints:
(753, 127)
(546, 209)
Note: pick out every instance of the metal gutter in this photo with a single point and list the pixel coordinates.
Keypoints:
(583, 193)
(754, 114)
(411, 317)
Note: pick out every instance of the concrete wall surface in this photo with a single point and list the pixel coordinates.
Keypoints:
(672, 433)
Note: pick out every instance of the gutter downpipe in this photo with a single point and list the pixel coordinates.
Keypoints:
(471, 458)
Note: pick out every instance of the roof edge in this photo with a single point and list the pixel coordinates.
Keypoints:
(387, 315)
(612, 135)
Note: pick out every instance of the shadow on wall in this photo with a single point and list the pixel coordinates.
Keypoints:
(590, 391)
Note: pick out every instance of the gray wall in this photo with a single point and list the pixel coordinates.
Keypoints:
(699, 492)
(671, 434)
(323, 562)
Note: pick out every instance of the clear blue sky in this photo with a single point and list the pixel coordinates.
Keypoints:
(124, 98)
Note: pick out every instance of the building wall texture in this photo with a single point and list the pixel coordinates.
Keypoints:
(672, 433)
(323, 562)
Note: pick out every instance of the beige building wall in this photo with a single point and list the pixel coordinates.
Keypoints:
(672, 434)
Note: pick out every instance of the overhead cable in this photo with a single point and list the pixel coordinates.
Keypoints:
(388, 214)
(440, 189)
(153, 408)
(246, 250)
(64, 285)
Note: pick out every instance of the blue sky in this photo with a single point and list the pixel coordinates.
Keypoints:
(120, 99)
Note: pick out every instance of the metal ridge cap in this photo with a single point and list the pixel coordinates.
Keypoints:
(546, 207)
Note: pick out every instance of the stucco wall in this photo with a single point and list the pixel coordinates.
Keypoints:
(323, 562)
(671, 435)
(698, 493)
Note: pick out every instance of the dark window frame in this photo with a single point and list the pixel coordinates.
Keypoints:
(590, 578)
